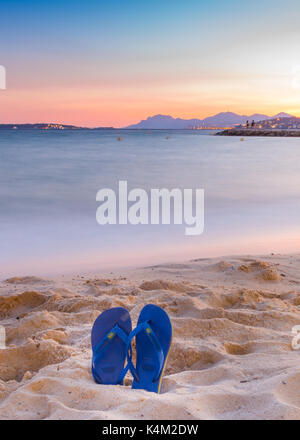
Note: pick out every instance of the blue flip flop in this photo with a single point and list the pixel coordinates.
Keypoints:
(153, 335)
(109, 339)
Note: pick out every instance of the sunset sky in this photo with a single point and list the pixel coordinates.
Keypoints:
(105, 63)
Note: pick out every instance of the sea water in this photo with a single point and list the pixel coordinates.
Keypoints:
(49, 181)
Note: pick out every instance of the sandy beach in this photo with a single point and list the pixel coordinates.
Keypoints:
(231, 357)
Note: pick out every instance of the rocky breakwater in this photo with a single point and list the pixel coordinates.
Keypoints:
(258, 132)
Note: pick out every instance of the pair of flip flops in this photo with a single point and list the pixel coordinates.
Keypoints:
(111, 339)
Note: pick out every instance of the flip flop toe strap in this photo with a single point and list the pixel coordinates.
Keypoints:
(145, 327)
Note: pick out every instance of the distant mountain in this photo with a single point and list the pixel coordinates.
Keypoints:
(164, 121)
(224, 119)
(38, 126)
(282, 115)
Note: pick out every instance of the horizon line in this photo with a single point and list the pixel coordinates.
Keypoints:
(124, 127)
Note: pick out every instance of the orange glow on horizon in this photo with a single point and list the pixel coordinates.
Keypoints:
(121, 106)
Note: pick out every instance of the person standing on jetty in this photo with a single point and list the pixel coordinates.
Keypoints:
(247, 124)
(252, 124)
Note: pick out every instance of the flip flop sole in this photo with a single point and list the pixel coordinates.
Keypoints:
(108, 365)
(146, 360)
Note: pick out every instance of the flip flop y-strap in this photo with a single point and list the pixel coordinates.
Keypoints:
(145, 326)
(115, 331)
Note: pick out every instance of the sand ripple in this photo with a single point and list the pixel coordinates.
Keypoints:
(231, 356)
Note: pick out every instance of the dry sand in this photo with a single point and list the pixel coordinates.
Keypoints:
(231, 357)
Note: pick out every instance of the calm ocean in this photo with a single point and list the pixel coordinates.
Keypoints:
(49, 181)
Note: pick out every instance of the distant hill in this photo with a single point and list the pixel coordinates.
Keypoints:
(279, 123)
(224, 119)
(46, 126)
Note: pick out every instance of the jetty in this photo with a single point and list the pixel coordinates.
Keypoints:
(242, 132)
